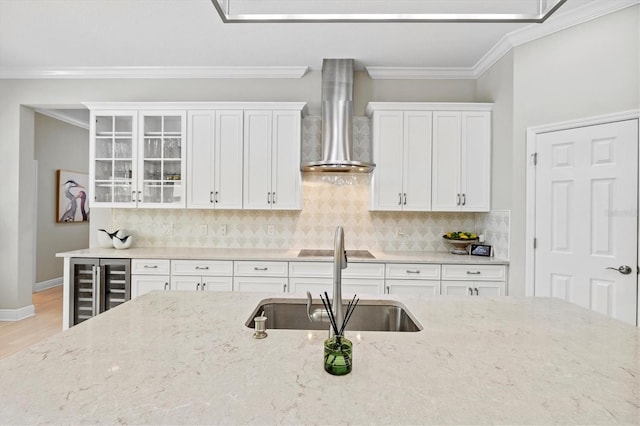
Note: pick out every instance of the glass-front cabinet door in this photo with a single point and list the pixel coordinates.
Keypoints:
(113, 158)
(161, 163)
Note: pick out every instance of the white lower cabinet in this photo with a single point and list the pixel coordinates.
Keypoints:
(473, 288)
(412, 278)
(148, 275)
(261, 276)
(202, 275)
(317, 277)
(474, 280)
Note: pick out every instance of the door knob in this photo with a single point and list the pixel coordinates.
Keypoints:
(624, 269)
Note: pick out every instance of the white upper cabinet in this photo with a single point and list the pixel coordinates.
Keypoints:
(161, 159)
(214, 166)
(272, 178)
(461, 161)
(113, 153)
(402, 153)
(204, 155)
(137, 158)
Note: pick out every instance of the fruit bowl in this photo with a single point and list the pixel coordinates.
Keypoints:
(460, 241)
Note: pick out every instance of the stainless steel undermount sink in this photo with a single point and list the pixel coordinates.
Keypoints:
(370, 315)
(354, 254)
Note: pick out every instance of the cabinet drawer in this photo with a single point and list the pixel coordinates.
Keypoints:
(325, 269)
(261, 269)
(413, 271)
(202, 267)
(413, 287)
(473, 272)
(150, 266)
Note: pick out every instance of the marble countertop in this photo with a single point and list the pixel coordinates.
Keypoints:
(274, 255)
(187, 358)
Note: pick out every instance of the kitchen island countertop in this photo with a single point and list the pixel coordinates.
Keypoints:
(187, 358)
(275, 255)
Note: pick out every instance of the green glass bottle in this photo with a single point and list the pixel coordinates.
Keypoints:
(338, 355)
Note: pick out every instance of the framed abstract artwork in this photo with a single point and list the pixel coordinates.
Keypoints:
(72, 203)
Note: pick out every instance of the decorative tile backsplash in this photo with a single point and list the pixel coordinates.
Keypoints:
(329, 201)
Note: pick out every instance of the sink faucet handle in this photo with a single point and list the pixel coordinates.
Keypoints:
(309, 302)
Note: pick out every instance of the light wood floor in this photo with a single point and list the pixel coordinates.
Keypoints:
(47, 321)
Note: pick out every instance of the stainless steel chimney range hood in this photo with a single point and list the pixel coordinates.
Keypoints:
(337, 121)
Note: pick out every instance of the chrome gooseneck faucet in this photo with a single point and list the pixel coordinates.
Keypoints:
(339, 263)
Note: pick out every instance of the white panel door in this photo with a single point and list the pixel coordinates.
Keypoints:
(257, 160)
(416, 178)
(287, 178)
(586, 217)
(445, 188)
(228, 160)
(387, 155)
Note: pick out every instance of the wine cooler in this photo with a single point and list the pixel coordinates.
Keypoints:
(97, 285)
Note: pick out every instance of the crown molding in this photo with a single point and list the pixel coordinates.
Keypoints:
(58, 115)
(556, 23)
(152, 72)
(419, 73)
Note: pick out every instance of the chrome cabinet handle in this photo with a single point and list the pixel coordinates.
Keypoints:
(211, 197)
(203, 286)
(284, 288)
(458, 202)
(464, 199)
(166, 285)
(203, 268)
(388, 290)
(197, 286)
(151, 266)
(413, 272)
(476, 290)
(268, 198)
(399, 198)
(215, 198)
(255, 268)
(623, 269)
(133, 196)
(404, 202)
(473, 272)
(273, 198)
(470, 291)
(139, 196)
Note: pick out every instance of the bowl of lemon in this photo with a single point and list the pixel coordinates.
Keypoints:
(460, 241)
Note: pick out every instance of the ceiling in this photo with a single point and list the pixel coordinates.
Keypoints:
(159, 34)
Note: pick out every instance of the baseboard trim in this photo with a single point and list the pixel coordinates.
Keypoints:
(17, 314)
(44, 285)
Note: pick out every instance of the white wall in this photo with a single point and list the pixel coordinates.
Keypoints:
(590, 69)
(58, 145)
(17, 141)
